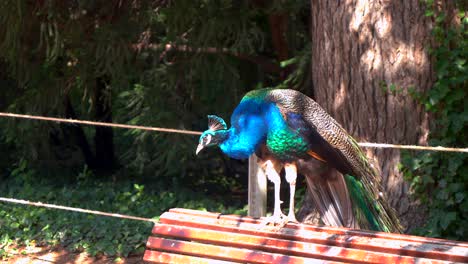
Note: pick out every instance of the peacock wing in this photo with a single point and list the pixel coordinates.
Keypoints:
(339, 149)
(327, 137)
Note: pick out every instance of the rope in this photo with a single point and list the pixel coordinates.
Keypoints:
(93, 123)
(414, 147)
(190, 132)
(80, 210)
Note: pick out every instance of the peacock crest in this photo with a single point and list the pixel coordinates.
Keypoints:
(216, 123)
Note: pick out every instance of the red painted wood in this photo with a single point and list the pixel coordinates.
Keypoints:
(282, 246)
(366, 240)
(327, 229)
(184, 234)
(165, 257)
(225, 253)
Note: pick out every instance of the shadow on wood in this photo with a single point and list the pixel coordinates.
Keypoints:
(189, 236)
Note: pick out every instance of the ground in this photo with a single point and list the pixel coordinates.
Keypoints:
(58, 255)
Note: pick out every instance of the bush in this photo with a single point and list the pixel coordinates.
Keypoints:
(440, 179)
(23, 225)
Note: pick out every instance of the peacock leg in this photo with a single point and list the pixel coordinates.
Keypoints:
(273, 176)
(291, 176)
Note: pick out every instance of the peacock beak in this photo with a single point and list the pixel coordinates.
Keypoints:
(199, 148)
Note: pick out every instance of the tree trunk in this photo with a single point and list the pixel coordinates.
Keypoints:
(365, 57)
(278, 27)
(103, 138)
(78, 135)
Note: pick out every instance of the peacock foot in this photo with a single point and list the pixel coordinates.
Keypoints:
(292, 217)
(275, 221)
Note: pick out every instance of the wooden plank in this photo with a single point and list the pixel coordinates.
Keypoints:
(154, 256)
(257, 190)
(224, 253)
(426, 249)
(236, 219)
(365, 240)
(283, 246)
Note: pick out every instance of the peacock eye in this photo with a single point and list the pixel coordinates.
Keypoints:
(207, 140)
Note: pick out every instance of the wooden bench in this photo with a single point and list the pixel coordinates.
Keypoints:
(189, 236)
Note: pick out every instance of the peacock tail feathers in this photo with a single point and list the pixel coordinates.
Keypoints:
(367, 193)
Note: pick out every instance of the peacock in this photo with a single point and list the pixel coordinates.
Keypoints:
(288, 130)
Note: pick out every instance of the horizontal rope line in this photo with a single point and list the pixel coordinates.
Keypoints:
(80, 210)
(413, 147)
(190, 132)
(94, 123)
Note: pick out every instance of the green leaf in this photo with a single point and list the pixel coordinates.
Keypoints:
(429, 13)
(440, 18)
(288, 62)
(447, 219)
(459, 196)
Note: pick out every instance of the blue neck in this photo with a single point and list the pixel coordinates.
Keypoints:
(241, 144)
(250, 122)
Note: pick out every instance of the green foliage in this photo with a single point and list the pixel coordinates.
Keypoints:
(55, 51)
(94, 234)
(164, 64)
(437, 178)
(299, 79)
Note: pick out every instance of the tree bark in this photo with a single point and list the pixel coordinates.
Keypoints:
(78, 135)
(104, 136)
(365, 56)
(278, 27)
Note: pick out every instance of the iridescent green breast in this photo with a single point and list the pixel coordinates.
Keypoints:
(286, 144)
(282, 141)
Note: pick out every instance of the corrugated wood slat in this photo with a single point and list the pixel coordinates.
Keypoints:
(184, 233)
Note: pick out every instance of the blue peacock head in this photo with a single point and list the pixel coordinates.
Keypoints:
(213, 136)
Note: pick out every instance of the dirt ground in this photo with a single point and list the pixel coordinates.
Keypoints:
(56, 255)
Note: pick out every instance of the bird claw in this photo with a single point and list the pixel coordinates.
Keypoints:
(292, 218)
(276, 221)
